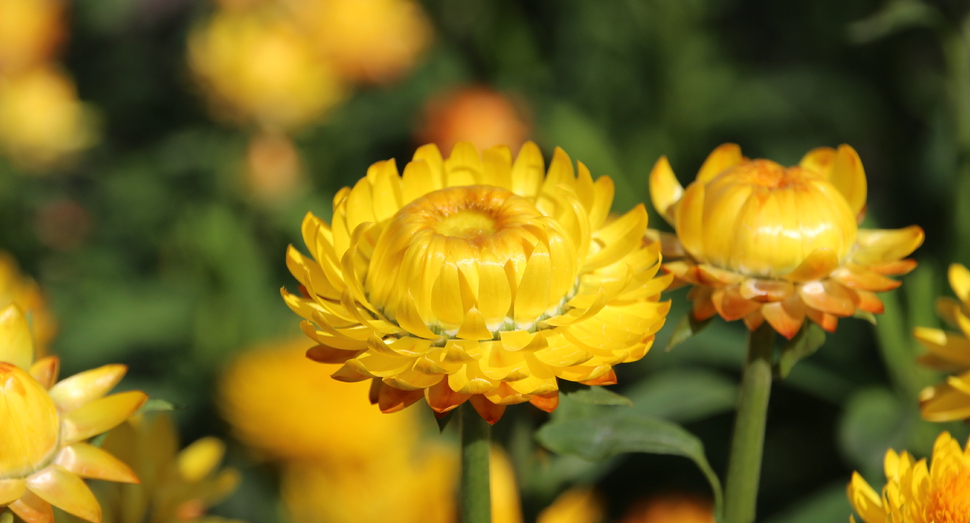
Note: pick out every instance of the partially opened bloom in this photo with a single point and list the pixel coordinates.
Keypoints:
(918, 492)
(177, 486)
(950, 400)
(44, 425)
(762, 242)
(477, 278)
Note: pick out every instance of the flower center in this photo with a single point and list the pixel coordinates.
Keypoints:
(465, 250)
(761, 219)
(949, 501)
(29, 424)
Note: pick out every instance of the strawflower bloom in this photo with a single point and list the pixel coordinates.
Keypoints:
(44, 425)
(477, 278)
(176, 486)
(366, 41)
(256, 66)
(761, 242)
(917, 492)
(283, 406)
(950, 400)
(476, 114)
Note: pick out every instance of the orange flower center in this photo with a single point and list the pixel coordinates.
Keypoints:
(29, 424)
(949, 500)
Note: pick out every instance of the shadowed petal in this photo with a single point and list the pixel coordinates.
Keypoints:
(65, 491)
(101, 415)
(32, 509)
(10, 490)
(89, 461)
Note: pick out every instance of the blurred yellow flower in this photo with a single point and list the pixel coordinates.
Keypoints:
(44, 425)
(478, 115)
(576, 505)
(273, 171)
(369, 41)
(671, 508)
(22, 290)
(176, 486)
(950, 351)
(477, 278)
(286, 406)
(30, 31)
(916, 492)
(256, 66)
(42, 123)
(762, 242)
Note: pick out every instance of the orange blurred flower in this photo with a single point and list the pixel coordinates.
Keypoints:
(30, 31)
(671, 508)
(479, 115)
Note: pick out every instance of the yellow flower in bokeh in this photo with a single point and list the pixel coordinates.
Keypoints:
(256, 66)
(176, 486)
(369, 41)
(477, 278)
(761, 242)
(44, 425)
(42, 123)
(950, 351)
(671, 508)
(285, 406)
(30, 31)
(917, 492)
(478, 115)
(576, 505)
(22, 290)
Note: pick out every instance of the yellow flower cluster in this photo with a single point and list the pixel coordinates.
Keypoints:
(20, 289)
(42, 123)
(765, 243)
(477, 278)
(44, 426)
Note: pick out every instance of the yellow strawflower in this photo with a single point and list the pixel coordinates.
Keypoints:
(285, 406)
(29, 32)
(950, 400)
(44, 425)
(369, 41)
(761, 242)
(917, 492)
(18, 288)
(477, 278)
(42, 122)
(671, 508)
(176, 486)
(256, 66)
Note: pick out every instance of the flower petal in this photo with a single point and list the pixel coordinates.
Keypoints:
(63, 489)
(16, 343)
(45, 371)
(442, 399)
(819, 264)
(849, 178)
(11, 490)
(32, 509)
(943, 403)
(70, 393)
(879, 246)
(101, 415)
(89, 461)
(951, 347)
(489, 411)
(391, 399)
(196, 461)
(665, 190)
(827, 296)
(960, 281)
(724, 157)
(547, 402)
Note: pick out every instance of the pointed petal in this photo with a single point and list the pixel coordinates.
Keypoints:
(819, 160)
(949, 346)
(827, 296)
(32, 509)
(11, 490)
(63, 489)
(324, 354)
(859, 277)
(731, 305)
(665, 190)
(71, 393)
(879, 246)
(442, 399)
(960, 281)
(943, 403)
(785, 317)
(489, 411)
(45, 371)
(607, 379)
(766, 291)
(547, 402)
(391, 399)
(16, 343)
(92, 462)
(724, 157)
(849, 178)
(200, 458)
(101, 415)
(818, 265)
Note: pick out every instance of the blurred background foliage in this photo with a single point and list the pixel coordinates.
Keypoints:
(156, 200)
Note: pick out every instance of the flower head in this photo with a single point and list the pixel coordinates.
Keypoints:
(256, 66)
(176, 486)
(44, 425)
(762, 242)
(917, 492)
(29, 32)
(950, 400)
(477, 278)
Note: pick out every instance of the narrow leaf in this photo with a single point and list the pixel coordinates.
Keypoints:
(592, 395)
(686, 328)
(804, 344)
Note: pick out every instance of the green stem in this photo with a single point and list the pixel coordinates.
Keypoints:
(476, 505)
(747, 444)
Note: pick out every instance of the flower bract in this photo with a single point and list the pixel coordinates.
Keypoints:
(477, 278)
(44, 426)
(765, 243)
(917, 491)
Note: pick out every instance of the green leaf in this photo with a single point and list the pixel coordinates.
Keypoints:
(865, 315)
(686, 328)
(602, 437)
(829, 504)
(155, 405)
(809, 338)
(683, 395)
(592, 395)
(874, 420)
(6, 517)
(897, 15)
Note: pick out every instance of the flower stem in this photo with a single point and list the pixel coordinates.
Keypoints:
(747, 444)
(476, 505)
